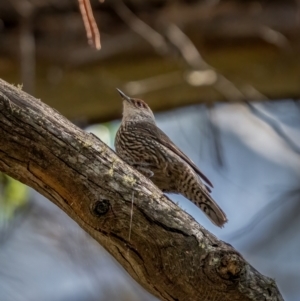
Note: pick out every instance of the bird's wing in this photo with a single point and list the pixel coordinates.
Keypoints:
(157, 134)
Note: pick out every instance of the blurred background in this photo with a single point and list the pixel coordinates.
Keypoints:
(223, 78)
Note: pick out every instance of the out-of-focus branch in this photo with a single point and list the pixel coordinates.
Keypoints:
(26, 11)
(216, 138)
(273, 37)
(201, 73)
(264, 212)
(275, 125)
(141, 28)
(154, 83)
(185, 46)
(27, 54)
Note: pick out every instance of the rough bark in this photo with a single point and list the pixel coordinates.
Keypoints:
(168, 252)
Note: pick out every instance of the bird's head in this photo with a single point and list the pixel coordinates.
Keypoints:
(135, 109)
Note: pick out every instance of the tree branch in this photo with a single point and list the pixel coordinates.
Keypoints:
(168, 253)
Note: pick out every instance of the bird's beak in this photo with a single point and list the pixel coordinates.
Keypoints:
(123, 95)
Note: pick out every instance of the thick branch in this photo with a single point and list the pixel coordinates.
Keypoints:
(168, 253)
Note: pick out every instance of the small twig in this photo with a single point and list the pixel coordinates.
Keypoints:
(268, 209)
(253, 93)
(27, 48)
(131, 215)
(90, 24)
(27, 54)
(6, 99)
(216, 137)
(228, 89)
(275, 125)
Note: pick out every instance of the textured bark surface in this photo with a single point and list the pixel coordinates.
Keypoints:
(168, 253)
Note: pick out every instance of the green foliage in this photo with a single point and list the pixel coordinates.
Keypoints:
(13, 195)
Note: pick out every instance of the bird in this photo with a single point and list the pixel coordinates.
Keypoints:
(145, 147)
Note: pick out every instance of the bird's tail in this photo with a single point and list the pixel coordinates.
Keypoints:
(199, 195)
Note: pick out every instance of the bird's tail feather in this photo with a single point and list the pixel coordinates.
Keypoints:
(198, 194)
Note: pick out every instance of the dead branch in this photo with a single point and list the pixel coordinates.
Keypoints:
(169, 253)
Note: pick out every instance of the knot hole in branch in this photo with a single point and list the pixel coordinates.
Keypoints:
(224, 268)
(100, 207)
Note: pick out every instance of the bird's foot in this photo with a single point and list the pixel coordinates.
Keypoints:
(145, 171)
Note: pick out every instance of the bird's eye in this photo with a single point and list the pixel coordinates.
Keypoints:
(139, 104)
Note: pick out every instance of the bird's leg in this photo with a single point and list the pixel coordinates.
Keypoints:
(142, 168)
(145, 171)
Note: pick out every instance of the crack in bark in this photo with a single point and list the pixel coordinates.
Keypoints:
(125, 259)
(14, 122)
(173, 298)
(5, 163)
(167, 228)
(131, 248)
(12, 158)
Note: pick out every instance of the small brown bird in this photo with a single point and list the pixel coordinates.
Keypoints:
(141, 144)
